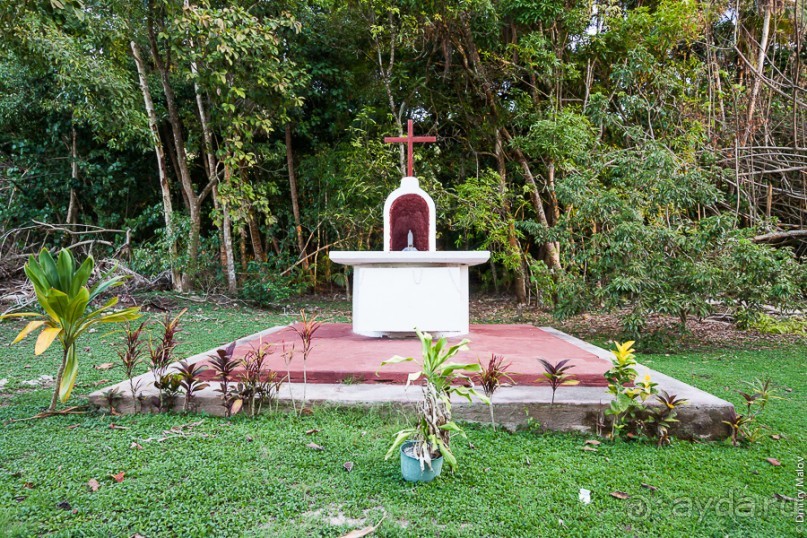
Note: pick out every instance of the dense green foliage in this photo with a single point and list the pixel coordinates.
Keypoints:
(247, 477)
(608, 153)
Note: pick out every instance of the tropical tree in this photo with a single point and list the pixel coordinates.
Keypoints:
(66, 300)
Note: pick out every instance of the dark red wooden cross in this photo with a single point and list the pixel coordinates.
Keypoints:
(409, 140)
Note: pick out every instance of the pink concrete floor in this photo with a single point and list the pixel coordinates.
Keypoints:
(339, 356)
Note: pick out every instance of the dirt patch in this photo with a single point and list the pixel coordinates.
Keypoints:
(334, 516)
(663, 333)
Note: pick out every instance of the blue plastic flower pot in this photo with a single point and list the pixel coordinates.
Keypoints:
(410, 466)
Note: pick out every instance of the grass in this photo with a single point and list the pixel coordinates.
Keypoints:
(244, 477)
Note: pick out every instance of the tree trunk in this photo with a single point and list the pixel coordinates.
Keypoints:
(242, 232)
(763, 48)
(73, 205)
(194, 200)
(165, 188)
(512, 239)
(222, 253)
(476, 69)
(54, 401)
(226, 250)
(255, 236)
(295, 202)
(552, 253)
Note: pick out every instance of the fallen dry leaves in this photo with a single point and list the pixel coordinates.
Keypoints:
(780, 497)
(93, 485)
(620, 495)
(118, 477)
(366, 531)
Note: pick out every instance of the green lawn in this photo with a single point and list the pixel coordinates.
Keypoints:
(244, 477)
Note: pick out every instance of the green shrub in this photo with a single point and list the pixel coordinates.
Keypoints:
(264, 282)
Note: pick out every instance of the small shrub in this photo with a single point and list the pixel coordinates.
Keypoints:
(557, 376)
(131, 357)
(161, 356)
(490, 378)
(265, 283)
(434, 428)
(743, 427)
(190, 382)
(64, 295)
(627, 408)
(256, 385)
(660, 418)
(306, 330)
(224, 365)
(770, 325)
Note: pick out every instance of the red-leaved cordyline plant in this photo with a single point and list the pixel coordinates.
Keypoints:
(736, 423)
(306, 330)
(557, 376)
(131, 356)
(162, 355)
(661, 418)
(224, 364)
(190, 381)
(491, 378)
(256, 384)
(288, 355)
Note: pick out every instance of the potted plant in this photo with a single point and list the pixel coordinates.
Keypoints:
(424, 446)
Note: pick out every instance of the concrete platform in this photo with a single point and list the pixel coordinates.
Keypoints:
(338, 355)
(576, 408)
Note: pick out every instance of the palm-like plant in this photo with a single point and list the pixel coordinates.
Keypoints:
(434, 426)
(62, 292)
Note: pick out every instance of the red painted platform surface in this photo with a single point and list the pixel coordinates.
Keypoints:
(338, 355)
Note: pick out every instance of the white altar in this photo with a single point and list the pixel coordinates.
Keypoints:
(410, 284)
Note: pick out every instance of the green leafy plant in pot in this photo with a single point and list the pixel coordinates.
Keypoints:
(424, 446)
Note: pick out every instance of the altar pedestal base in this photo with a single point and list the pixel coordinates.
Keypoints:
(395, 293)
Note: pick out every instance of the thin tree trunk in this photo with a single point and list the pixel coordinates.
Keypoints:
(552, 253)
(227, 257)
(54, 401)
(165, 188)
(212, 177)
(72, 207)
(255, 236)
(295, 202)
(476, 69)
(222, 253)
(763, 48)
(194, 200)
(385, 78)
(515, 246)
(242, 232)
